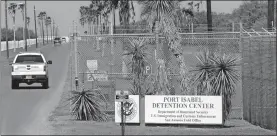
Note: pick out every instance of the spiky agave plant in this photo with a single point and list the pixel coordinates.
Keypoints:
(217, 75)
(203, 73)
(87, 105)
(225, 77)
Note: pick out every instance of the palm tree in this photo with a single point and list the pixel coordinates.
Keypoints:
(41, 16)
(46, 26)
(184, 16)
(47, 23)
(125, 7)
(139, 55)
(111, 6)
(86, 16)
(97, 6)
(40, 24)
(21, 7)
(12, 11)
(163, 12)
(6, 25)
(154, 11)
(28, 23)
(83, 13)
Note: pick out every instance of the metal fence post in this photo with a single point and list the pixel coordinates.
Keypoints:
(75, 54)
(0, 29)
(242, 63)
(112, 46)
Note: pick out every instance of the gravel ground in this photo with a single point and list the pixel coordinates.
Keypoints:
(63, 124)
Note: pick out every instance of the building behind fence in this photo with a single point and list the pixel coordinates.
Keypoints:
(259, 80)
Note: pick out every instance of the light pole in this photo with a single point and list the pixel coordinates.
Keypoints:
(35, 18)
(53, 29)
(25, 23)
(0, 29)
(6, 20)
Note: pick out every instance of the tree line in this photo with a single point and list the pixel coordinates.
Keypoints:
(252, 14)
(18, 34)
(45, 22)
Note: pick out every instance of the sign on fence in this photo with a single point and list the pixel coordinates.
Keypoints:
(130, 110)
(121, 95)
(177, 109)
(97, 75)
(148, 68)
(92, 65)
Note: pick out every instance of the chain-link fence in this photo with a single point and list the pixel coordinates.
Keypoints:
(259, 80)
(102, 62)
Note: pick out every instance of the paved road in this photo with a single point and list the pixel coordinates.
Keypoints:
(21, 108)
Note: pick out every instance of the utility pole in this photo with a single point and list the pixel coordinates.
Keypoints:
(270, 13)
(6, 16)
(75, 54)
(53, 28)
(0, 29)
(209, 15)
(51, 37)
(42, 29)
(46, 25)
(35, 17)
(25, 24)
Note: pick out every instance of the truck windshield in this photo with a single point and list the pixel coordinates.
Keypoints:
(29, 58)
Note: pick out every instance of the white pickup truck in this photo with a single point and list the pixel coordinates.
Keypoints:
(29, 68)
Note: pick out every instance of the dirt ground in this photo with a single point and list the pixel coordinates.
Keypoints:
(62, 123)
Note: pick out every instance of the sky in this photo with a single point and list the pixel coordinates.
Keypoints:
(64, 12)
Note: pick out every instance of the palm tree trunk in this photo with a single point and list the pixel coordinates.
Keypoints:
(46, 26)
(23, 26)
(51, 33)
(28, 33)
(42, 31)
(40, 25)
(6, 19)
(93, 28)
(114, 20)
(14, 43)
(100, 23)
(89, 29)
(97, 40)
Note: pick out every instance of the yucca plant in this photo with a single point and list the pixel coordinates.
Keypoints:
(203, 73)
(217, 75)
(87, 105)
